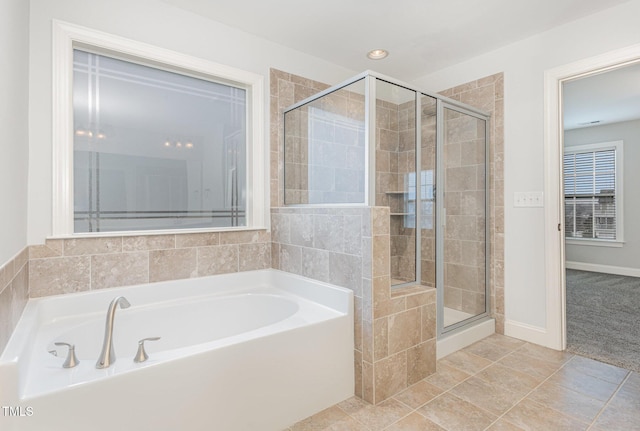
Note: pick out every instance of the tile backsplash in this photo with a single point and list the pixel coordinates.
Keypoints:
(76, 265)
(14, 292)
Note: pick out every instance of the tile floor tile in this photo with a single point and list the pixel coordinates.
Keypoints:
(488, 350)
(347, 424)
(499, 384)
(446, 376)
(503, 425)
(613, 418)
(584, 383)
(535, 367)
(567, 401)
(504, 341)
(487, 396)
(532, 416)
(453, 413)
(602, 371)
(414, 422)
(419, 394)
(515, 381)
(465, 361)
(546, 354)
(382, 415)
(321, 421)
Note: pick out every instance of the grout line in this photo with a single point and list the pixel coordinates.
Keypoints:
(589, 425)
(606, 405)
(527, 394)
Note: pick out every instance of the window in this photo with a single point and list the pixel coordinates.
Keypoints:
(156, 140)
(427, 199)
(592, 191)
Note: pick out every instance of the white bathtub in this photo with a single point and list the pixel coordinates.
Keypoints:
(254, 351)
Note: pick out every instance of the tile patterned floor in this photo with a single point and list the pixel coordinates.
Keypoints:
(499, 384)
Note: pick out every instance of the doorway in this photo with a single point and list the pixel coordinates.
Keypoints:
(601, 142)
(555, 334)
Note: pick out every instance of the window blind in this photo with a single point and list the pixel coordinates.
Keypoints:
(590, 194)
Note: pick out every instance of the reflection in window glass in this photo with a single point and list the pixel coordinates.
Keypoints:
(155, 149)
(427, 199)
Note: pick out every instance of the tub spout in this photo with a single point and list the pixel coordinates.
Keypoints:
(108, 355)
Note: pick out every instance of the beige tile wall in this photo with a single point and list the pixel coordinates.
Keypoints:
(285, 90)
(395, 155)
(394, 332)
(14, 292)
(398, 325)
(488, 94)
(76, 265)
(464, 195)
(318, 167)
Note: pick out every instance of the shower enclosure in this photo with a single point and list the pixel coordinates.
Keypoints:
(375, 141)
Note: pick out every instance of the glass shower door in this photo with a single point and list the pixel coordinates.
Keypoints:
(463, 217)
(427, 163)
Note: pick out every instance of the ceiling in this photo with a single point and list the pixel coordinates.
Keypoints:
(604, 98)
(422, 36)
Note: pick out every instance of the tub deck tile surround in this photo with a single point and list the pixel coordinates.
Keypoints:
(82, 264)
(505, 393)
(14, 292)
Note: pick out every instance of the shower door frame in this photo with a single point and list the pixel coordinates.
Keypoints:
(443, 331)
(442, 102)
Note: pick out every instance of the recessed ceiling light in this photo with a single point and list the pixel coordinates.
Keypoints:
(377, 54)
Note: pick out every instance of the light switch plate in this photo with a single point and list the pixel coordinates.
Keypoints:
(528, 199)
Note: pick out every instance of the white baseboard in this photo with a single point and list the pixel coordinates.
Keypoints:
(466, 337)
(529, 333)
(607, 269)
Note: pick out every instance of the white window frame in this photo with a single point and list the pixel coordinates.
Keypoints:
(618, 147)
(67, 37)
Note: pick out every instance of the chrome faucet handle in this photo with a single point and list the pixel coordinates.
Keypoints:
(71, 360)
(142, 356)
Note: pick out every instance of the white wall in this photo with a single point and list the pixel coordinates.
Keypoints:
(524, 64)
(14, 149)
(627, 255)
(156, 23)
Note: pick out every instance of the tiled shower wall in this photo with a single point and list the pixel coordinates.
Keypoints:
(488, 94)
(325, 159)
(464, 282)
(395, 156)
(394, 332)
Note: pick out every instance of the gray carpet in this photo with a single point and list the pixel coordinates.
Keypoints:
(603, 317)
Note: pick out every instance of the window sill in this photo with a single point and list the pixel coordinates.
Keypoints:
(156, 232)
(595, 243)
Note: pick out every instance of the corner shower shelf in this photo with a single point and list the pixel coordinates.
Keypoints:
(400, 214)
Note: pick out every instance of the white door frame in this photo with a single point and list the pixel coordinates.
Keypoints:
(554, 202)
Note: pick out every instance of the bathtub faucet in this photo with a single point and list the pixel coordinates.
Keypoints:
(108, 355)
